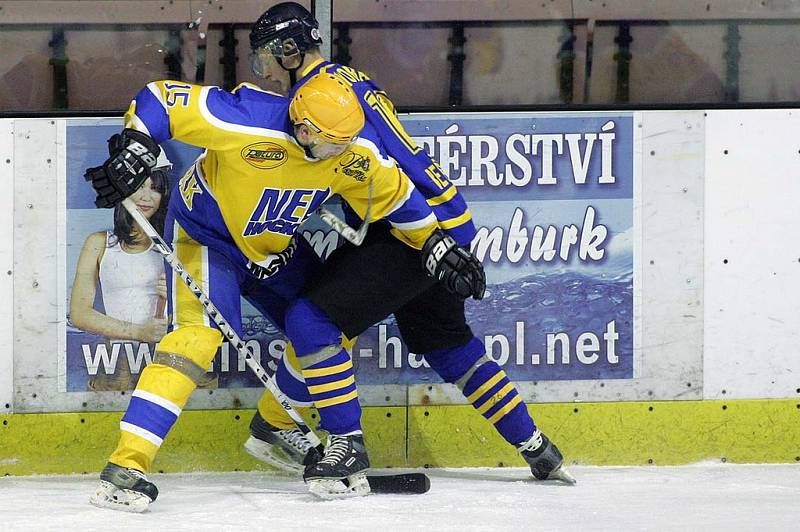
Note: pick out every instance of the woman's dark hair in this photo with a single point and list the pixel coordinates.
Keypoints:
(123, 221)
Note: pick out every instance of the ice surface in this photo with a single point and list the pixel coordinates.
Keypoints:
(699, 497)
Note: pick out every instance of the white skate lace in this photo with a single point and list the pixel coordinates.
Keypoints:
(336, 450)
(296, 439)
(532, 443)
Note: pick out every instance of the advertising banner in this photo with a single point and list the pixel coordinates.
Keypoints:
(552, 196)
(126, 306)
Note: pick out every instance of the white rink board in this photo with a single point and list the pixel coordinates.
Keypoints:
(752, 255)
(668, 266)
(39, 317)
(36, 272)
(6, 266)
(705, 326)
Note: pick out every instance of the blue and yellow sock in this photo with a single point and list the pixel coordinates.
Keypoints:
(164, 386)
(327, 367)
(486, 386)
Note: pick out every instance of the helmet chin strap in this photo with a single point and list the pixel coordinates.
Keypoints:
(292, 71)
(307, 149)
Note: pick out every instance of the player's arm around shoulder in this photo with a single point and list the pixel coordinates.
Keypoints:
(448, 204)
(376, 180)
(204, 116)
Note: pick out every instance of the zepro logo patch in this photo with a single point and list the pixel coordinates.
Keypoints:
(264, 155)
(281, 211)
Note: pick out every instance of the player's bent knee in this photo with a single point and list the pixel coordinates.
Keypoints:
(189, 350)
(323, 355)
(458, 363)
(309, 328)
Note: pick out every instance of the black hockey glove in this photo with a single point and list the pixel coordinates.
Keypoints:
(455, 267)
(276, 262)
(132, 157)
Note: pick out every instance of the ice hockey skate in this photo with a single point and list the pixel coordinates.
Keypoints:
(286, 449)
(124, 489)
(544, 458)
(342, 470)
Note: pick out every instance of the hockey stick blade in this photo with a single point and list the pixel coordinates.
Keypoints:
(409, 483)
(355, 237)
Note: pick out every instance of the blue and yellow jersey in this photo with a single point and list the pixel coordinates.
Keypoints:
(447, 204)
(254, 184)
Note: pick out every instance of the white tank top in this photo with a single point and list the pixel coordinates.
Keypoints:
(128, 281)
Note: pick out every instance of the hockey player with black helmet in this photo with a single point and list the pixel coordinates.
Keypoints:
(269, 163)
(346, 296)
(283, 34)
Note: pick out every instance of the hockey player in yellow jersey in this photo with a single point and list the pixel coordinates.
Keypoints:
(269, 163)
(285, 53)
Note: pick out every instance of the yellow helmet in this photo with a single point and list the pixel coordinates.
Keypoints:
(329, 107)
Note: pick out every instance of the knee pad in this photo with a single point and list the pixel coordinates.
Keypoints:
(189, 350)
(457, 363)
(309, 328)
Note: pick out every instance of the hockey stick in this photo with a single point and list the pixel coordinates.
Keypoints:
(227, 331)
(354, 236)
(399, 483)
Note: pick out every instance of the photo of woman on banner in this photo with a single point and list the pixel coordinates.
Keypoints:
(131, 278)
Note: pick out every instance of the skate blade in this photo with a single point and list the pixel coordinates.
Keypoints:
(561, 474)
(272, 455)
(329, 489)
(110, 496)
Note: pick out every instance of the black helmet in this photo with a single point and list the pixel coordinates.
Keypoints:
(287, 29)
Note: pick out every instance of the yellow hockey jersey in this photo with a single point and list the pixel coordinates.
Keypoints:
(254, 184)
(445, 200)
